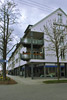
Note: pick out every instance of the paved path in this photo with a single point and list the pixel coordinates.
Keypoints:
(27, 81)
(26, 90)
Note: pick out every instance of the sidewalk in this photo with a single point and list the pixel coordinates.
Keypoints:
(29, 81)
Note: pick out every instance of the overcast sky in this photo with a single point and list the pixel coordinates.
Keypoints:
(33, 11)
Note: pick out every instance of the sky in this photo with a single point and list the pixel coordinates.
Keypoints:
(33, 11)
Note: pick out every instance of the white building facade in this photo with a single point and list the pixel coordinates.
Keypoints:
(31, 58)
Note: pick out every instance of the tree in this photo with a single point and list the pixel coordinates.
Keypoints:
(8, 16)
(55, 35)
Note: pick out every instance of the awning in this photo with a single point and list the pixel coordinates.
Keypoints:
(53, 66)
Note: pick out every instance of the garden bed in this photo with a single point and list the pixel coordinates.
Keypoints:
(7, 81)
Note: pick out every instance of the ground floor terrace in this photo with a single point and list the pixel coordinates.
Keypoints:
(40, 69)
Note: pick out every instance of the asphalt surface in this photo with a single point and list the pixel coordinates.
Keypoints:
(33, 90)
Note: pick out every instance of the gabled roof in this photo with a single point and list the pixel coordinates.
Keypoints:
(49, 16)
(27, 30)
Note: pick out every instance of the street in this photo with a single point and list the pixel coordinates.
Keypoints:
(33, 91)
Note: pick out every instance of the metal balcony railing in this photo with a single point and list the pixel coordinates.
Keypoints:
(27, 56)
(35, 41)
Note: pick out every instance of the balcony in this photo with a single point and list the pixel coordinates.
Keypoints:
(36, 42)
(27, 56)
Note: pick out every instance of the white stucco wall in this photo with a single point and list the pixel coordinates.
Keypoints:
(15, 57)
(39, 27)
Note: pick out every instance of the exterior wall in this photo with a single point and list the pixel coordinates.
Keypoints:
(39, 27)
(15, 60)
(10, 64)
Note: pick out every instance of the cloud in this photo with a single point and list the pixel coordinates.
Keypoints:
(16, 39)
(28, 16)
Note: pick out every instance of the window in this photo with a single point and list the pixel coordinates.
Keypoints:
(62, 54)
(60, 18)
(61, 40)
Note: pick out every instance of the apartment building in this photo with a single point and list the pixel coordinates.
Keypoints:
(31, 58)
(15, 63)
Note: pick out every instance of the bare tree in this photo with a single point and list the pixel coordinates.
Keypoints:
(8, 16)
(55, 35)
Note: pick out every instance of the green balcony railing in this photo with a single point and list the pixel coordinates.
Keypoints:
(35, 41)
(27, 56)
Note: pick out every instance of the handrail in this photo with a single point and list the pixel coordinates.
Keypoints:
(28, 41)
(33, 53)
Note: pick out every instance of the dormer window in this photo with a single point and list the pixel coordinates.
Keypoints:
(60, 18)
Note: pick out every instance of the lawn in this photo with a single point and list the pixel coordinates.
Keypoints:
(54, 81)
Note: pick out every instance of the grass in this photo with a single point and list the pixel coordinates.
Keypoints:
(55, 81)
(8, 81)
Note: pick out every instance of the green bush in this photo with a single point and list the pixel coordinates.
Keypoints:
(7, 78)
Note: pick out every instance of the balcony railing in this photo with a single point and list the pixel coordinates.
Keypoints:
(27, 56)
(35, 41)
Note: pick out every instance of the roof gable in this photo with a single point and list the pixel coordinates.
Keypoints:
(49, 16)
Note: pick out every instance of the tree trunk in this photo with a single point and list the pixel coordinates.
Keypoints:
(4, 47)
(4, 64)
(58, 64)
(4, 71)
(58, 68)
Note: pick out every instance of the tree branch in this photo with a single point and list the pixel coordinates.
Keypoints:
(11, 49)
